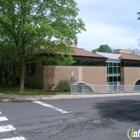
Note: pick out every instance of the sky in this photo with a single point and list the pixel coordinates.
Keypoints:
(110, 22)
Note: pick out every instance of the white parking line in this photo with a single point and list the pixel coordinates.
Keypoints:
(14, 138)
(0, 112)
(6, 128)
(50, 106)
(3, 119)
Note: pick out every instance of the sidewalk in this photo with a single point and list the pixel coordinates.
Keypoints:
(28, 98)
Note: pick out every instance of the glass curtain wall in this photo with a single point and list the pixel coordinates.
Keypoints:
(113, 75)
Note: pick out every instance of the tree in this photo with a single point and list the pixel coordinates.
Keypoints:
(138, 15)
(103, 48)
(136, 50)
(26, 25)
(8, 62)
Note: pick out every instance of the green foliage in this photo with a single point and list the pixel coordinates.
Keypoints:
(103, 48)
(9, 89)
(27, 25)
(63, 86)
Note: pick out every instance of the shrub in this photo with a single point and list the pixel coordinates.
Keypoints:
(63, 86)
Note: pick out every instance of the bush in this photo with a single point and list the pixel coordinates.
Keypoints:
(63, 86)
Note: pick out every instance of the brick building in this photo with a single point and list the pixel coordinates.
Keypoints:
(118, 68)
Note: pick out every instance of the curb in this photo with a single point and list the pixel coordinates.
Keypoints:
(17, 100)
(62, 97)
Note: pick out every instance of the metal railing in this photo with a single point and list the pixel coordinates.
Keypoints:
(98, 89)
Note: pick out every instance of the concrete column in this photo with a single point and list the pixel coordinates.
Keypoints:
(80, 74)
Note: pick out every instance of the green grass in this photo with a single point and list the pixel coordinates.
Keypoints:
(28, 91)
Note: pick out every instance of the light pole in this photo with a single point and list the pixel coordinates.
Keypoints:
(72, 77)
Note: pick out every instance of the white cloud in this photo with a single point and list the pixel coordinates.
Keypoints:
(109, 22)
(99, 33)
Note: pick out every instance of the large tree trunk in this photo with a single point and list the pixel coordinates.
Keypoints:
(14, 76)
(22, 76)
(22, 71)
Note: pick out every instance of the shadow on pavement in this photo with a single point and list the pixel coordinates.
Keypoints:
(120, 110)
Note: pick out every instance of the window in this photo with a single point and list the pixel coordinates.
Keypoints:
(113, 73)
(138, 82)
(131, 64)
(89, 63)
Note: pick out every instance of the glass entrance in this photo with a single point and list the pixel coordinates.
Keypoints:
(113, 75)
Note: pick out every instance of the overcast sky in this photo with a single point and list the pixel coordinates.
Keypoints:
(111, 22)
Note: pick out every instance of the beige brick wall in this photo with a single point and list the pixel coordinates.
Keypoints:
(38, 76)
(130, 75)
(95, 75)
(57, 73)
(91, 75)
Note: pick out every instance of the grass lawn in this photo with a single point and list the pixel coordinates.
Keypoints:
(28, 91)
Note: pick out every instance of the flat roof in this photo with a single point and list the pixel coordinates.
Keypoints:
(110, 55)
(122, 56)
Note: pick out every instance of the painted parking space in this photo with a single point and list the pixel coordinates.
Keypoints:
(50, 106)
(6, 128)
(3, 119)
(14, 138)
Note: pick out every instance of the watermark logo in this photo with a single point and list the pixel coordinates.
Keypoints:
(133, 134)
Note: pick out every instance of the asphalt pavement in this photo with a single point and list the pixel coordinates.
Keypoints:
(85, 119)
